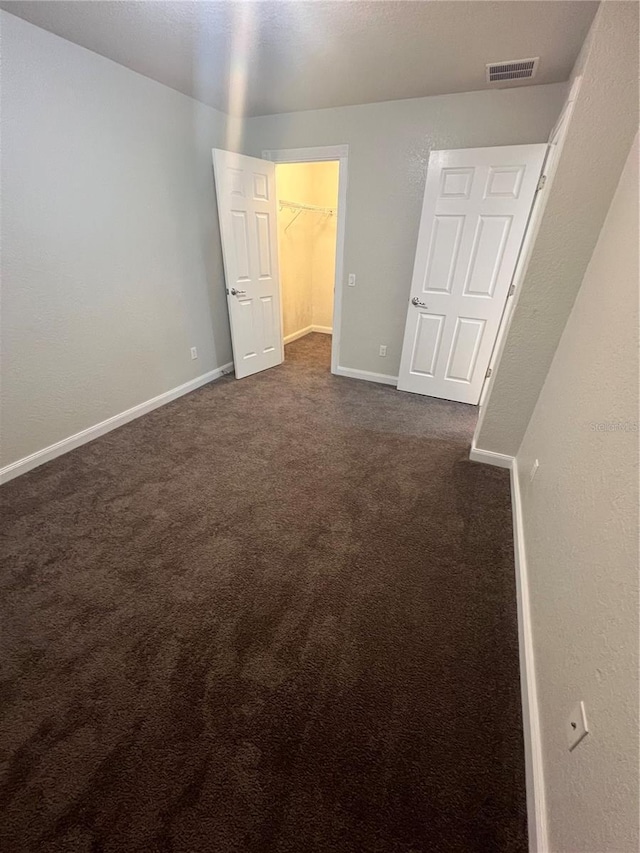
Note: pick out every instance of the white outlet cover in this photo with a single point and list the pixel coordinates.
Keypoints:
(194, 352)
(534, 470)
(352, 280)
(576, 726)
(383, 349)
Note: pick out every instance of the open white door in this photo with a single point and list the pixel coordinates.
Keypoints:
(246, 192)
(475, 211)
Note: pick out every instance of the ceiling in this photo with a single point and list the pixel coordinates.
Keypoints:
(257, 58)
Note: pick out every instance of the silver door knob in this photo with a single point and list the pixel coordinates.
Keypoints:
(235, 292)
(415, 301)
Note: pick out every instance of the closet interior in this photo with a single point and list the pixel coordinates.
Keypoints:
(307, 230)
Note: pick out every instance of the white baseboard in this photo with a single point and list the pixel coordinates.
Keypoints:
(299, 334)
(489, 457)
(28, 463)
(324, 330)
(351, 373)
(534, 768)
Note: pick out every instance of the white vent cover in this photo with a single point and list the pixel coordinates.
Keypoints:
(515, 69)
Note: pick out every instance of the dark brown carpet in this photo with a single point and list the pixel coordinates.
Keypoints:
(274, 615)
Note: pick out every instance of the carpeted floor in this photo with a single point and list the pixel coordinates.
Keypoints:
(274, 616)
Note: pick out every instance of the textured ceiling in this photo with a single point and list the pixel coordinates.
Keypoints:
(267, 57)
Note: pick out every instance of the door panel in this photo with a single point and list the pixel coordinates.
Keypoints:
(427, 342)
(467, 337)
(505, 182)
(240, 246)
(269, 333)
(475, 211)
(245, 189)
(443, 254)
(264, 246)
(487, 252)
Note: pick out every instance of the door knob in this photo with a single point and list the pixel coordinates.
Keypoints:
(415, 301)
(235, 292)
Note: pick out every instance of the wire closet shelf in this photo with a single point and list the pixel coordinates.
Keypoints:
(301, 208)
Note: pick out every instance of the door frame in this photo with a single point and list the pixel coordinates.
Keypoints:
(315, 155)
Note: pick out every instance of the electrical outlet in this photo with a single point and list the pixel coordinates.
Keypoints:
(383, 349)
(534, 470)
(194, 352)
(576, 726)
(352, 279)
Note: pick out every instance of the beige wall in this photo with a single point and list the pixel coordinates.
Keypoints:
(389, 146)
(293, 182)
(111, 261)
(581, 533)
(325, 190)
(307, 249)
(604, 123)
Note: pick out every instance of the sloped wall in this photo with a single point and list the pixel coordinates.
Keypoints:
(604, 123)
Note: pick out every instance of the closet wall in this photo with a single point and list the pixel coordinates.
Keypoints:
(307, 249)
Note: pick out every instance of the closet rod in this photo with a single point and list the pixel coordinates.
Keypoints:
(294, 205)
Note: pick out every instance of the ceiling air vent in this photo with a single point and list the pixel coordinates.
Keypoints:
(515, 69)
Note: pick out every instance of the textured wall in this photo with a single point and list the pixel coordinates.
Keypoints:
(602, 128)
(389, 148)
(111, 262)
(581, 532)
(307, 250)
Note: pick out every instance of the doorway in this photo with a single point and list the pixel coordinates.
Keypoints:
(325, 226)
(307, 196)
(247, 202)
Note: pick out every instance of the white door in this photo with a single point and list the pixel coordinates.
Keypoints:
(475, 211)
(246, 192)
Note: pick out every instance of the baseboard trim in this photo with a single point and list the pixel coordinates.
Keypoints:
(367, 375)
(324, 330)
(534, 768)
(489, 457)
(28, 463)
(299, 334)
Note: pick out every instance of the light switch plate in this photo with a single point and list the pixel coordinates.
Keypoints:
(577, 727)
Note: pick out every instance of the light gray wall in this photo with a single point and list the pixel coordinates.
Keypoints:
(581, 533)
(602, 128)
(389, 149)
(111, 263)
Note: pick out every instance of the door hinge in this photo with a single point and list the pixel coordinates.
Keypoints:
(541, 183)
(512, 290)
(487, 374)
